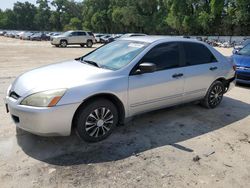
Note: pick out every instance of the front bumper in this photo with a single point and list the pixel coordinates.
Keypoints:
(54, 121)
(243, 76)
(55, 42)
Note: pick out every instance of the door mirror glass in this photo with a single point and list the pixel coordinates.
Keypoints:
(145, 68)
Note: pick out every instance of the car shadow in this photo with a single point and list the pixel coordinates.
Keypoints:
(145, 132)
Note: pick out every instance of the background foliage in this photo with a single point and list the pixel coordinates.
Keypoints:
(184, 17)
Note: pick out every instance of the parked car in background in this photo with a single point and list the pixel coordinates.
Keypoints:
(19, 34)
(226, 44)
(54, 34)
(95, 92)
(241, 45)
(242, 61)
(27, 35)
(2, 33)
(39, 37)
(106, 39)
(98, 37)
(81, 38)
(12, 34)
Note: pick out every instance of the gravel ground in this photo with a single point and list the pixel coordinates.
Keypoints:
(183, 146)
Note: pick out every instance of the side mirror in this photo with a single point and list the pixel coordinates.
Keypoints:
(146, 68)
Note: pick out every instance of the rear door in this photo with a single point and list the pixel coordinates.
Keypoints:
(161, 88)
(201, 68)
(81, 37)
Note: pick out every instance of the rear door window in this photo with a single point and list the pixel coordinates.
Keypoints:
(196, 54)
(90, 33)
(81, 33)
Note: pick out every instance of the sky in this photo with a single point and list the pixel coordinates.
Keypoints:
(9, 3)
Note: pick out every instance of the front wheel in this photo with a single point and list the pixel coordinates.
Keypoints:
(63, 43)
(96, 121)
(214, 95)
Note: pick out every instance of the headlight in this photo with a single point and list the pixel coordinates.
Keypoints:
(44, 99)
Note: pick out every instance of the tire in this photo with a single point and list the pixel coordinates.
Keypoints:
(82, 45)
(57, 46)
(214, 95)
(95, 121)
(63, 43)
(89, 44)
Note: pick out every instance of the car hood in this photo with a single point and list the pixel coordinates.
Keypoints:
(58, 36)
(57, 76)
(241, 60)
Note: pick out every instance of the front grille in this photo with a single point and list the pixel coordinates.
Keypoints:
(14, 95)
(243, 77)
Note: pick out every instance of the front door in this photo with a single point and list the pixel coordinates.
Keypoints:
(161, 88)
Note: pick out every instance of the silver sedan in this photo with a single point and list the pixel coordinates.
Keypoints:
(94, 93)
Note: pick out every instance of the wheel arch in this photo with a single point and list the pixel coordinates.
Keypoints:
(225, 82)
(64, 40)
(111, 97)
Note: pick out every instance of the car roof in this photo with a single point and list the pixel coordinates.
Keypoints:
(152, 39)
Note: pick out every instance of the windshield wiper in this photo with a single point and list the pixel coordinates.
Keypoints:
(92, 63)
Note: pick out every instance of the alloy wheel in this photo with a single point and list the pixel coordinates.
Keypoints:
(64, 44)
(99, 122)
(216, 95)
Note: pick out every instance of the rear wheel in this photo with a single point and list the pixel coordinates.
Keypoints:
(63, 43)
(95, 121)
(214, 95)
(89, 44)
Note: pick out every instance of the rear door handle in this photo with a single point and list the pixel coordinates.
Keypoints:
(213, 68)
(177, 75)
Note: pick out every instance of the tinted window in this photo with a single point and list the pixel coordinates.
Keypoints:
(197, 54)
(165, 56)
(81, 33)
(90, 33)
(73, 34)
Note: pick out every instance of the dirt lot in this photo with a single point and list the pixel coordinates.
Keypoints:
(157, 149)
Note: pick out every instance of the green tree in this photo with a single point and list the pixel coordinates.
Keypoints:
(74, 24)
(24, 14)
(43, 15)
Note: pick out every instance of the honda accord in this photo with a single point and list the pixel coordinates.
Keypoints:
(94, 93)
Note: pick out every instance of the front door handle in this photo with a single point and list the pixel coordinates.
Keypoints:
(213, 68)
(177, 75)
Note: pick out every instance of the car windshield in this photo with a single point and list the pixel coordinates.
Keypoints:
(66, 33)
(115, 55)
(245, 50)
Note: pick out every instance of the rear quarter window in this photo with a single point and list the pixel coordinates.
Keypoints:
(196, 54)
(90, 33)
